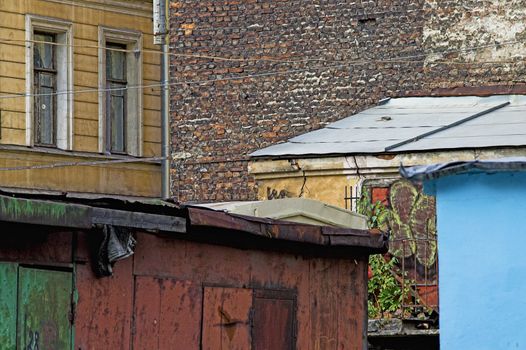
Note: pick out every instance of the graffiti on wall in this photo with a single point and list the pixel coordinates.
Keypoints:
(412, 223)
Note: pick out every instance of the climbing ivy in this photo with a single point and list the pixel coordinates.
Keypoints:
(386, 296)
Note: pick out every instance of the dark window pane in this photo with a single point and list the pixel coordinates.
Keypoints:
(116, 104)
(45, 108)
(46, 122)
(116, 62)
(117, 113)
(43, 52)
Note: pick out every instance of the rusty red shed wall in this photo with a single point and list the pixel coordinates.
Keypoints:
(175, 293)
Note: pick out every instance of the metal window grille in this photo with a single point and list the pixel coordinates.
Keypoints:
(420, 276)
(351, 198)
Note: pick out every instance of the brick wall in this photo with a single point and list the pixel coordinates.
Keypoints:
(335, 58)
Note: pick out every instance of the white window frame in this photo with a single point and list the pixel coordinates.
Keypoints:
(64, 54)
(134, 109)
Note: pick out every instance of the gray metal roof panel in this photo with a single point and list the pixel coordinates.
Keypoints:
(400, 119)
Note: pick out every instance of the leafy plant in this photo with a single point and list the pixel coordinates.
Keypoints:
(377, 213)
(386, 296)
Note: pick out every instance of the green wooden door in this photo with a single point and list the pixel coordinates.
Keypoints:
(8, 288)
(44, 303)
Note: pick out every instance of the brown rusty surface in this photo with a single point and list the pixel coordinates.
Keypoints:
(282, 230)
(34, 244)
(323, 286)
(167, 314)
(205, 217)
(226, 318)
(273, 321)
(338, 315)
(104, 309)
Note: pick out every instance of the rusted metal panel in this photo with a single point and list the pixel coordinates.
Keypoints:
(226, 318)
(325, 305)
(44, 306)
(204, 217)
(299, 233)
(330, 293)
(186, 260)
(104, 308)
(147, 310)
(351, 293)
(285, 231)
(273, 322)
(34, 244)
(8, 290)
(167, 314)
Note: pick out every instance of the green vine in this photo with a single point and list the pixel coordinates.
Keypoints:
(386, 296)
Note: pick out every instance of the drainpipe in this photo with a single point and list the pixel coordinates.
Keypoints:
(165, 101)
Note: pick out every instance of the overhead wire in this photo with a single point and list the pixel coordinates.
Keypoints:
(343, 63)
(263, 59)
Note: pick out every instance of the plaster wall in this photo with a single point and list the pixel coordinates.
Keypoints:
(482, 270)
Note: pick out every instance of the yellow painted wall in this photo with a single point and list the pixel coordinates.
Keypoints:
(326, 178)
(130, 179)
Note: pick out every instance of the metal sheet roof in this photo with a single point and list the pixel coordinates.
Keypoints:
(498, 121)
(434, 171)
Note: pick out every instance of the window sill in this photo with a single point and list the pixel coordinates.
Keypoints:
(78, 154)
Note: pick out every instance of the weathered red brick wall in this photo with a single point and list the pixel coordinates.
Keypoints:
(351, 55)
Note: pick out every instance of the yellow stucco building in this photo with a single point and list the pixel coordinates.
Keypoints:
(79, 97)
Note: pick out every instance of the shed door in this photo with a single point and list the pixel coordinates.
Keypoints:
(226, 318)
(273, 324)
(35, 306)
(44, 302)
(8, 286)
(167, 314)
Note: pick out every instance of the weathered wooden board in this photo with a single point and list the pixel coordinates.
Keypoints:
(167, 314)
(104, 308)
(226, 318)
(44, 306)
(8, 302)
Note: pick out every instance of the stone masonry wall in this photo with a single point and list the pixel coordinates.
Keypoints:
(249, 73)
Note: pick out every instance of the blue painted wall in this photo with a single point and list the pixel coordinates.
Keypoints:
(482, 260)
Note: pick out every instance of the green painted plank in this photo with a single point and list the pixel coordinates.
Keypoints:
(8, 283)
(40, 212)
(44, 301)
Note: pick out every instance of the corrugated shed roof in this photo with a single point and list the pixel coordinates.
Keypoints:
(434, 171)
(415, 121)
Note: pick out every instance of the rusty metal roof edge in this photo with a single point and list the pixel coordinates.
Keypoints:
(285, 230)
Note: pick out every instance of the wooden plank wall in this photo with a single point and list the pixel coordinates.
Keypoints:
(181, 294)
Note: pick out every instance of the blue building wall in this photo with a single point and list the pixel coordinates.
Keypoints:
(482, 260)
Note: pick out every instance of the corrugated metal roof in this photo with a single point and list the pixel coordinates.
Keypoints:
(403, 119)
(434, 171)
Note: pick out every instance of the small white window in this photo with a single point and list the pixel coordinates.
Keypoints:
(120, 97)
(49, 82)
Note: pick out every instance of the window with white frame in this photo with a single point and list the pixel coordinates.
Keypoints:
(120, 96)
(49, 82)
